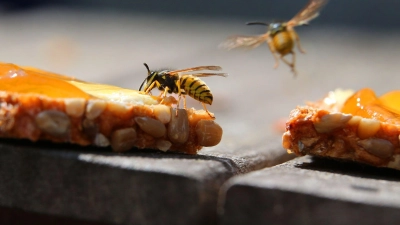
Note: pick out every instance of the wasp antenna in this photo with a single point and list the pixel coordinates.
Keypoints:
(257, 23)
(147, 67)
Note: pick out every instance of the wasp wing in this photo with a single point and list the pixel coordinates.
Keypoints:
(195, 69)
(209, 74)
(243, 41)
(308, 13)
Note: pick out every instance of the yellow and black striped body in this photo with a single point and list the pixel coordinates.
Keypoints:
(281, 38)
(176, 81)
(196, 88)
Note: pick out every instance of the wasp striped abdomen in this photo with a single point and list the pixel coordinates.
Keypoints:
(196, 88)
(283, 42)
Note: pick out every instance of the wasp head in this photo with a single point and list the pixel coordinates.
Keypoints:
(275, 27)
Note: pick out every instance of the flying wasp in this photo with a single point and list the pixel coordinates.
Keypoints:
(280, 36)
(175, 81)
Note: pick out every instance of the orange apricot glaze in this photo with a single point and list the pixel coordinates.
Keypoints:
(366, 104)
(29, 80)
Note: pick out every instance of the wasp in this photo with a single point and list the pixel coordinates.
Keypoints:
(176, 81)
(280, 36)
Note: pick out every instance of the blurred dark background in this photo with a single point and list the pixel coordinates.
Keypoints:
(374, 14)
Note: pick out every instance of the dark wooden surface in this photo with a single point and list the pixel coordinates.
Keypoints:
(313, 191)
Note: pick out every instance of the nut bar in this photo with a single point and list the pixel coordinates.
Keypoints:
(39, 105)
(365, 130)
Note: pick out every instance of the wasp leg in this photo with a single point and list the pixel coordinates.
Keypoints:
(178, 84)
(148, 90)
(184, 101)
(165, 94)
(292, 64)
(295, 37)
(150, 87)
(273, 51)
(204, 105)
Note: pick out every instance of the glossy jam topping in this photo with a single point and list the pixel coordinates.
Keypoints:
(366, 104)
(28, 80)
(18, 79)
